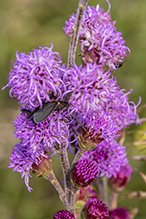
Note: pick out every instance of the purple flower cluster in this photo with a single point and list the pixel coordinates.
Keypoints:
(97, 98)
(100, 41)
(97, 109)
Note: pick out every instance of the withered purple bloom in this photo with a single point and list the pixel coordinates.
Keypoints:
(99, 39)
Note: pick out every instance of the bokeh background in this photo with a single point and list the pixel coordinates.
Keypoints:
(27, 24)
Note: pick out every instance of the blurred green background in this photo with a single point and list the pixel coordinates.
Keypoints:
(27, 24)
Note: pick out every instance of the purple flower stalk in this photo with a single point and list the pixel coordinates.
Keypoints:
(99, 39)
(97, 111)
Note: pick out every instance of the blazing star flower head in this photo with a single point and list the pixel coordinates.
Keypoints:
(52, 131)
(97, 209)
(119, 213)
(96, 14)
(109, 157)
(22, 159)
(63, 214)
(122, 178)
(83, 173)
(43, 167)
(99, 126)
(99, 39)
(35, 76)
(98, 101)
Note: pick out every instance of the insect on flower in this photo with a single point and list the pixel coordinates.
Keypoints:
(119, 65)
(41, 114)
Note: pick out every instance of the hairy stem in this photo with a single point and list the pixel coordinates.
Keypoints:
(78, 155)
(113, 199)
(66, 173)
(52, 178)
(75, 32)
(102, 186)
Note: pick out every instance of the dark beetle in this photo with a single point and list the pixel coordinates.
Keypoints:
(119, 65)
(41, 114)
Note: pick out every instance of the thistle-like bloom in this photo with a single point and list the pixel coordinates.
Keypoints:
(109, 157)
(99, 39)
(83, 173)
(98, 101)
(119, 213)
(34, 76)
(97, 209)
(122, 178)
(22, 159)
(50, 132)
(96, 14)
(63, 214)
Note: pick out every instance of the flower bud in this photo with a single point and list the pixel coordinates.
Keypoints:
(93, 196)
(43, 167)
(123, 177)
(90, 56)
(119, 213)
(81, 197)
(63, 214)
(88, 140)
(83, 173)
(97, 210)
